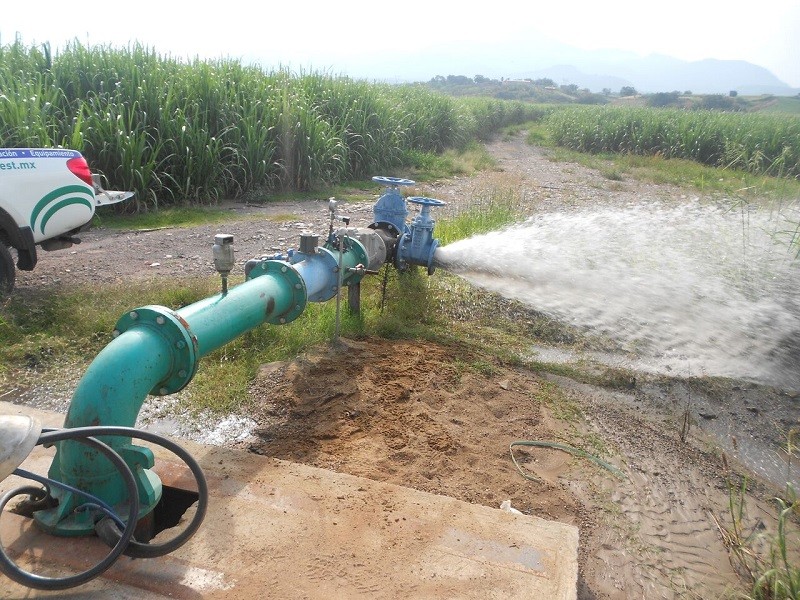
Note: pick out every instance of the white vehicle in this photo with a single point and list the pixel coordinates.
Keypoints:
(47, 195)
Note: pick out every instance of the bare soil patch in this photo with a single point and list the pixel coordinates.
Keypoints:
(427, 416)
(417, 415)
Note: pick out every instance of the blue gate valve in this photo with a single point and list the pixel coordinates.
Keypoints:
(391, 206)
(417, 246)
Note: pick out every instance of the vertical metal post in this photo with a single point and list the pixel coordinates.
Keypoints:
(354, 298)
(340, 278)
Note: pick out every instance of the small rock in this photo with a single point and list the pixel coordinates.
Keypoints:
(708, 416)
(504, 384)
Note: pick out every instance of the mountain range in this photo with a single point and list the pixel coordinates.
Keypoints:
(537, 57)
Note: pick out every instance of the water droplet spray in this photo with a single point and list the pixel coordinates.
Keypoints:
(691, 290)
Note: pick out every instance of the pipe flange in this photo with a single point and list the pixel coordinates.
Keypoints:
(358, 250)
(361, 257)
(283, 270)
(182, 343)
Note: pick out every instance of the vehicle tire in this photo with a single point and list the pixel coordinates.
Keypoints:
(7, 271)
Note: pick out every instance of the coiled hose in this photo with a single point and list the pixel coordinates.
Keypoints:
(110, 528)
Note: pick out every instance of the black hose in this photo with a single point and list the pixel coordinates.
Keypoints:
(121, 541)
(39, 582)
(110, 532)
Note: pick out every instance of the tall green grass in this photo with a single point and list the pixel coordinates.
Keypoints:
(756, 143)
(177, 132)
(489, 210)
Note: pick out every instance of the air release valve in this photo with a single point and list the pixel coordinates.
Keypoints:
(223, 257)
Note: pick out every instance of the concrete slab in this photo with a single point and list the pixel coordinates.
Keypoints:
(283, 530)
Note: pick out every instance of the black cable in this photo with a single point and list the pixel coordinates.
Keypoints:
(121, 541)
(109, 531)
(32, 580)
(93, 500)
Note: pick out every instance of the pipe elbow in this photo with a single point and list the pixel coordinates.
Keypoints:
(115, 385)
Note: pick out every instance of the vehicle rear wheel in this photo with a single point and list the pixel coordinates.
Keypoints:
(7, 271)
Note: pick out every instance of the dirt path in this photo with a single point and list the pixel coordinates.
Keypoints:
(419, 415)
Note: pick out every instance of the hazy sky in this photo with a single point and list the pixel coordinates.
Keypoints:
(322, 35)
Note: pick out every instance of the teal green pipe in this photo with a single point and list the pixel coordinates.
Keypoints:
(156, 351)
(127, 368)
(222, 318)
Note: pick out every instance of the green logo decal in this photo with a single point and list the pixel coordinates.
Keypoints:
(58, 199)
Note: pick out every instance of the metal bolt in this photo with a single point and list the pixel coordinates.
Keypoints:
(116, 333)
(163, 391)
(297, 286)
(264, 266)
(284, 269)
(133, 314)
(182, 373)
(282, 320)
(180, 344)
(160, 320)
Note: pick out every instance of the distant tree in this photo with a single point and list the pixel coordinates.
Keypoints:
(545, 82)
(570, 88)
(663, 99)
(733, 93)
(606, 91)
(716, 102)
(458, 80)
(627, 90)
(438, 79)
(587, 97)
(687, 93)
(481, 79)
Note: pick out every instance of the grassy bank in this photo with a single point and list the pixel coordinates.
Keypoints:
(758, 144)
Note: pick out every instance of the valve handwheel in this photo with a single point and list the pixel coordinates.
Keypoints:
(392, 180)
(423, 201)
